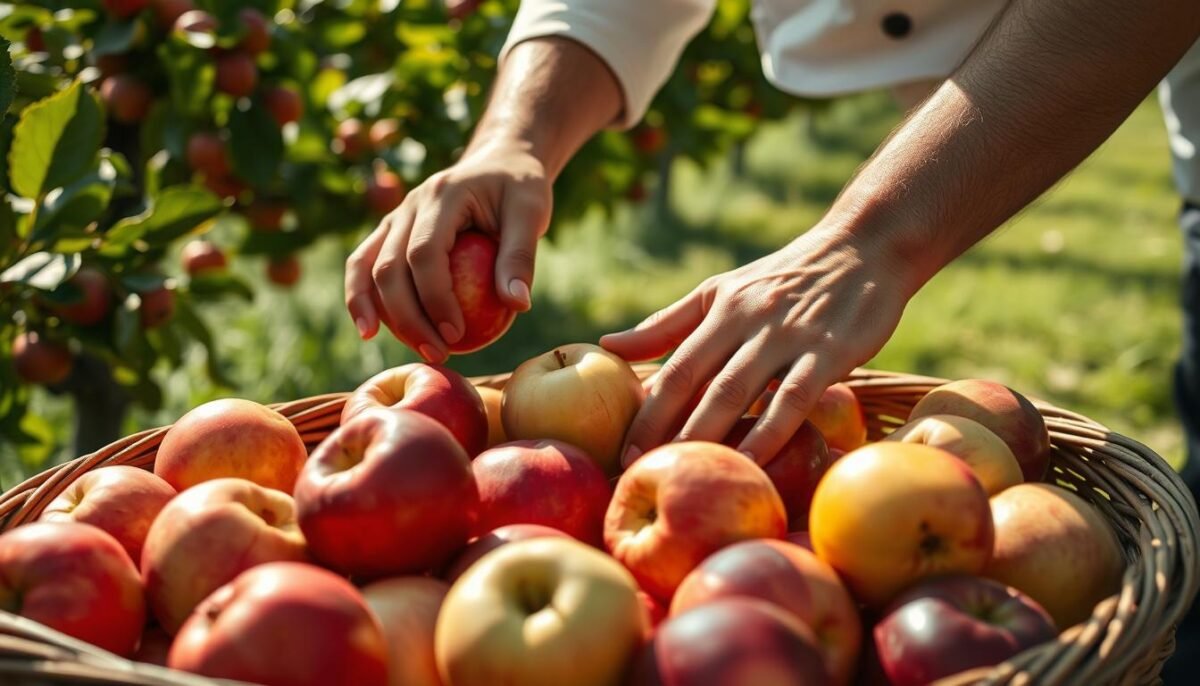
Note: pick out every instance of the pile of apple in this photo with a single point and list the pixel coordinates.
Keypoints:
(445, 534)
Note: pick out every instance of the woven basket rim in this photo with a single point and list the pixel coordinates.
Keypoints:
(1127, 638)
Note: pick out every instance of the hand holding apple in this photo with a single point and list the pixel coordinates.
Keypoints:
(473, 275)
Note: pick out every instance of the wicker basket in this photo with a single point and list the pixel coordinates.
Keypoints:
(1126, 640)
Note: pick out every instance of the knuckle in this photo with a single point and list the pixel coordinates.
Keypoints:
(420, 251)
(771, 432)
(730, 391)
(794, 397)
(677, 377)
(520, 257)
(385, 271)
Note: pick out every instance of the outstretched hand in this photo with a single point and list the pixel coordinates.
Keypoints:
(806, 314)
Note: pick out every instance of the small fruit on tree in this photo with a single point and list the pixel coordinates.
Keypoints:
(123, 9)
(157, 307)
(385, 192)
(94, 302)
(284, 104)
(284, 271)
(40, 361)
(202, 256)
(384, 134)
(351, 139)
(195, 21)
(166, 12)
(35, 40)
(127, 98)
(265, 214)
(237, 74)
(258, 31)
(206, 154)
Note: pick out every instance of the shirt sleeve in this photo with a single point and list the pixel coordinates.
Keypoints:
(640, 40)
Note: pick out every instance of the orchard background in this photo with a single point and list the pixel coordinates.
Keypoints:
(279, 132)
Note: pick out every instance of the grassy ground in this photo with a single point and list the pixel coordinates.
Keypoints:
(1074, 301)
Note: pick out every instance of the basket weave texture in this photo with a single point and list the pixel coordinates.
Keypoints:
(1126, 641)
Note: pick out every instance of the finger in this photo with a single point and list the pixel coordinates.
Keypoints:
(659, 333)
(525, 218)
(360, 287)
(397, 297)
(790, 406)
(428, 255)
(690, 367)
(731, 392)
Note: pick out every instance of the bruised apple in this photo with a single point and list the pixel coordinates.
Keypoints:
(680, 503)
(434, 391)
(121, 500)
(231, 438)
(579, 393)
(889, 514)
(390, 492)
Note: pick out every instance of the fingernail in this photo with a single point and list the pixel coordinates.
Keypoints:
(430, 353)
(361, 324)
(449, 333)
(631, 453)
(519, 290)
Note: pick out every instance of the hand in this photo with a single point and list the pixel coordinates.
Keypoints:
(807, 314)
(400, 275)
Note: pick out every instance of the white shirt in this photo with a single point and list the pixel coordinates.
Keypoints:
(819, 48)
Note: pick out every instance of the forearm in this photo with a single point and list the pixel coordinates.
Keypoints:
(551, 95)
(1045, 86)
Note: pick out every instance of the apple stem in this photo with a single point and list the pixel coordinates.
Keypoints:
(562, 358)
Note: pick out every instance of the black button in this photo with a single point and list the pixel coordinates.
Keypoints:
(897, 25)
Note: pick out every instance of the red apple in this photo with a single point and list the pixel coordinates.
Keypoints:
(545, 611)
(579, 393)
(227, 187)
(488, 542)
(73, 578)
(839, 417)
(123, 9)
(284, 271)
(206, 154)
(407, 607)
(385, 192)
(35, 40)
(120, 500)
(1057, 548)
(111, 64)
(384, 134)
(41, 361)
(390, 492)
(208, 535)
(542, 482)
(734, 642)
(790, 578)
(257, 28)
(951, 624)
(649, 139)
(153, 647)
(237, 74)
(201, 256)
(265, 214)
(680, 503)
(284, 624)
(351, 139)
(433, 390)
(156, 307)
(284, 104)
(1005, 412)
(127, 98)
(95, 299)
(890, 514)
(795, 470)
(473, 273)
(167, 12)
(231, 437)
(655, 609)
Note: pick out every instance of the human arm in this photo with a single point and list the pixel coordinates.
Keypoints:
(569, 69)
(1042, 89)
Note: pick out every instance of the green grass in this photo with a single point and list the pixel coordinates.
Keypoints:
(1074, 301)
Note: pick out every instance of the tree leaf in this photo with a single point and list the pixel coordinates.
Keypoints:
(8, 78)
(115, 37)
(68, 211)
(257, 145)
(55, 141)
(212, 285)
(42, 270)
(173, 213)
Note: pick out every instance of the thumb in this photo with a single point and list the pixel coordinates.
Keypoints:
(659, 333)
(524, 218)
